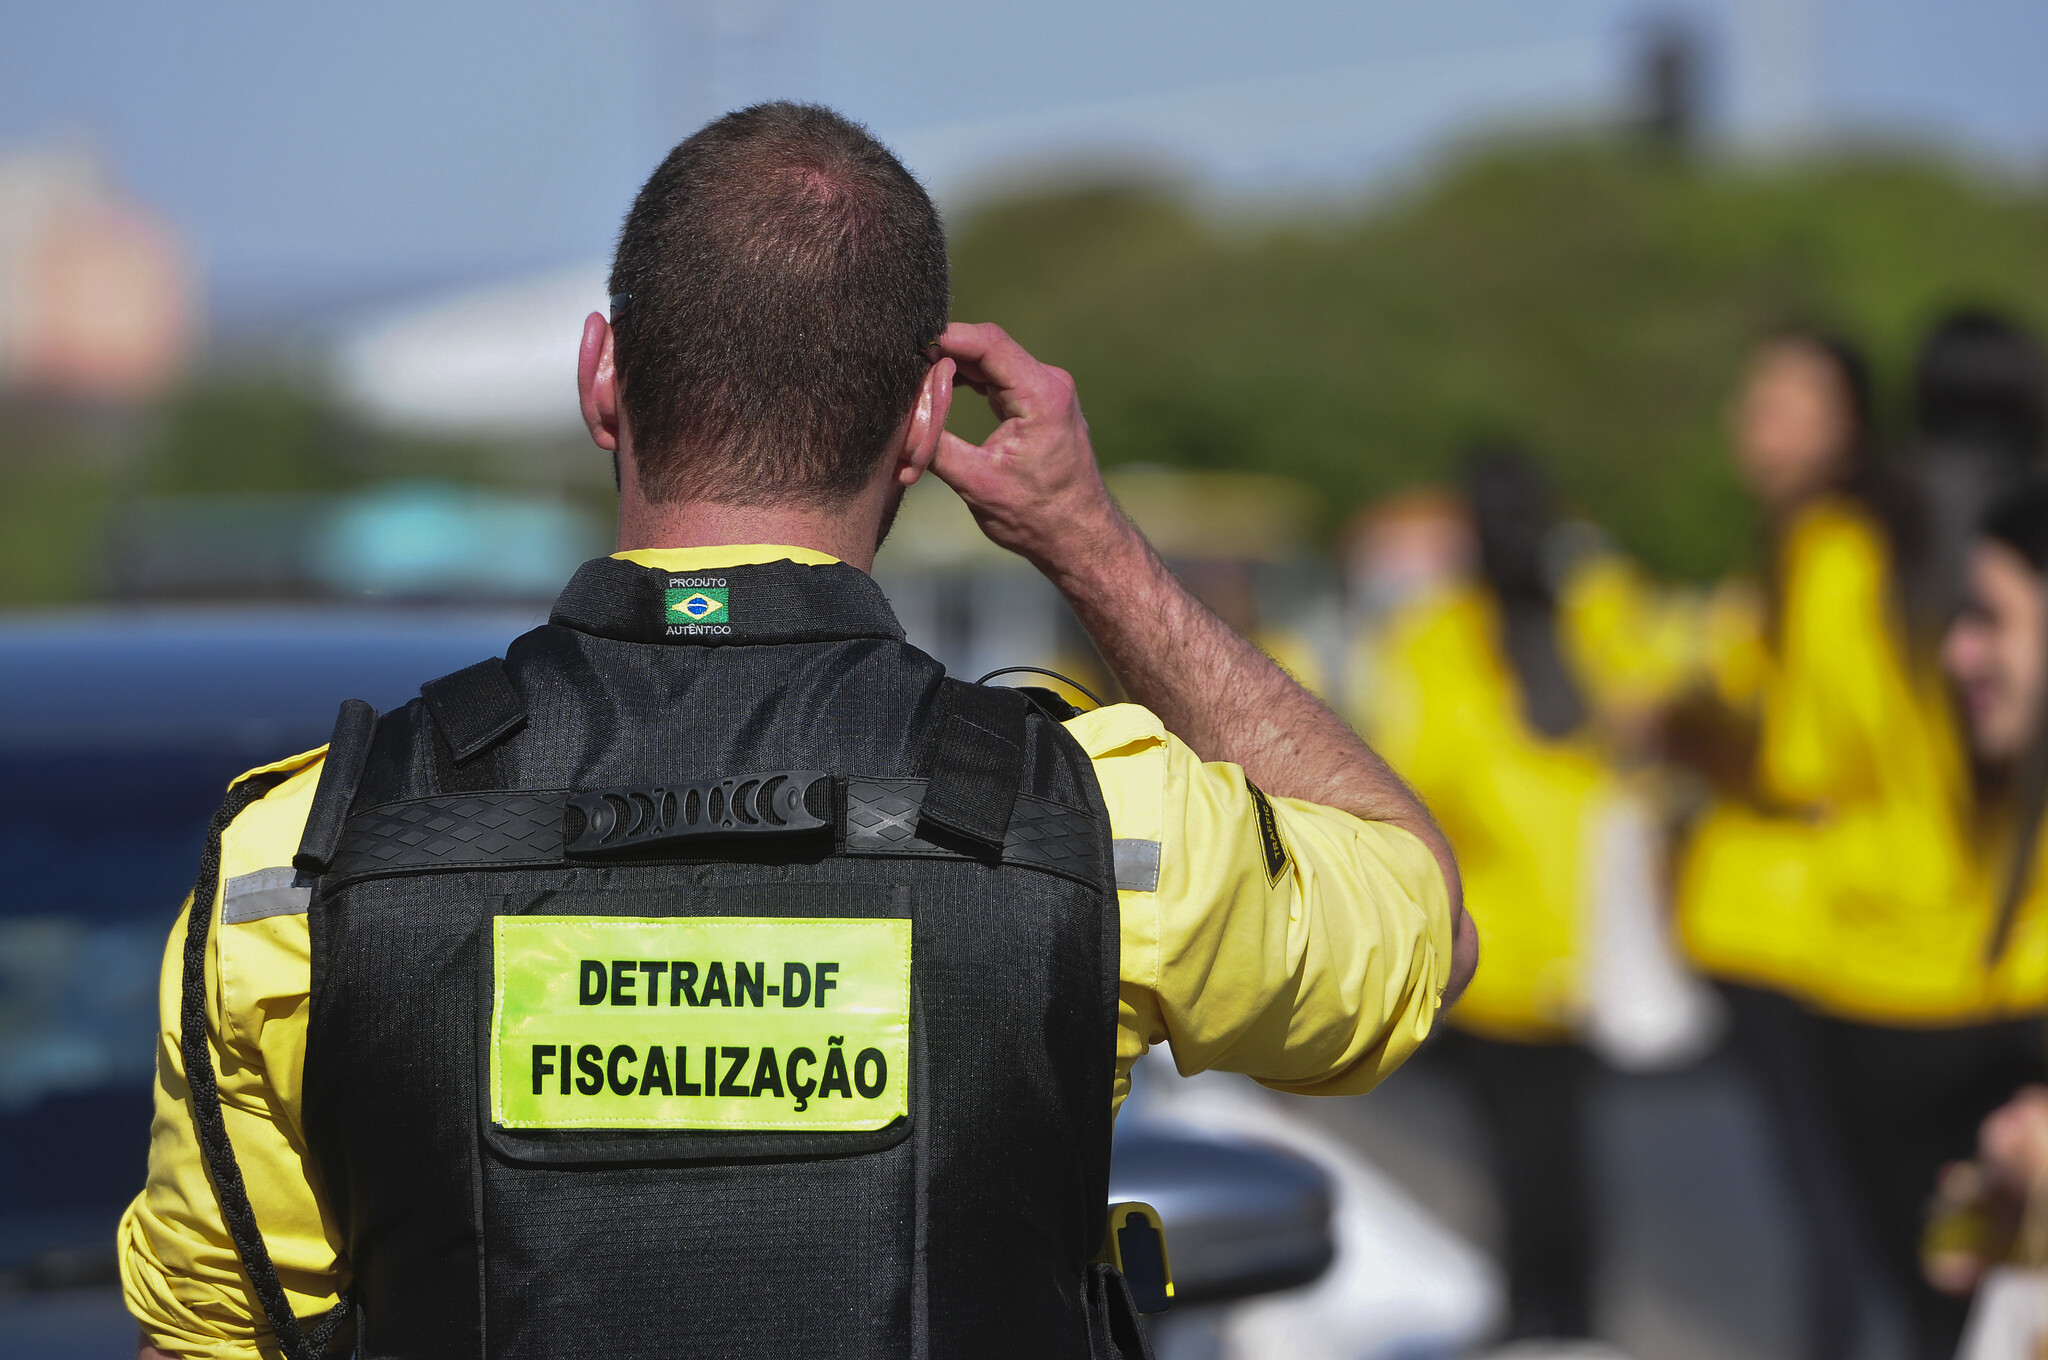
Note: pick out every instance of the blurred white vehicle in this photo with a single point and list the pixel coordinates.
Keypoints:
(1401, 1285)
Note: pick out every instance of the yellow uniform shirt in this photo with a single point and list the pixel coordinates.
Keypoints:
(1867, 899)
(1320, 983)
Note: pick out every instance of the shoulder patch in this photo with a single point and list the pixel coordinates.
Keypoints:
(1275, 849)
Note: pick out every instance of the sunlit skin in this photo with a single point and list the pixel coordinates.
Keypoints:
(1794, 426)
(1997, 653)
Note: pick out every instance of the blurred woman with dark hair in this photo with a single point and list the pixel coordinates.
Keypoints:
(1848, 881)
(1996, 652)
(1933, 1017)
(1749, 902)
(1752, 904)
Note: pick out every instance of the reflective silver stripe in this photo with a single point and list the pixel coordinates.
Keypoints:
(1137, 866)
(267, 892)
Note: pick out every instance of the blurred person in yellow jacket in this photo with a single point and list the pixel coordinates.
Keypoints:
(1932, 1017)
(1483, 685)
(1840, 899)
(1997, 653)
(1751, 894)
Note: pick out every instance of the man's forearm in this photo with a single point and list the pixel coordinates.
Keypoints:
(1217, 692)
(1034, 488)
(1229, 701)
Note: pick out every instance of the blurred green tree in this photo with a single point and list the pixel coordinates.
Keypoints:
(1595, 298)
(56, 483)
(247, 432)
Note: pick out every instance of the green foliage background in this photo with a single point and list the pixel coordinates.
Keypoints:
(1595, 299)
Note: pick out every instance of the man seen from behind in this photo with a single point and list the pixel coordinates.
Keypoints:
(713, 975)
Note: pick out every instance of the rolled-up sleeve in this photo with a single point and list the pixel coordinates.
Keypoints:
(1294, 943)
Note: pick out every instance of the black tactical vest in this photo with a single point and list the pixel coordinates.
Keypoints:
(756, 743)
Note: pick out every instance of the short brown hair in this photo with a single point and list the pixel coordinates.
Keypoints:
(782, 274)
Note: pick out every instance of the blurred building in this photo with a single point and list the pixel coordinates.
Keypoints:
(499, 360)
(97, 295)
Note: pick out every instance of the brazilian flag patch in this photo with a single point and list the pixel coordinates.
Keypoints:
(694, 605)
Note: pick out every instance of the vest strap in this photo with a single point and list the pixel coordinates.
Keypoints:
(475, 708)
(976, 759)
(525, 830)
(348, 750)
(1114, 1332)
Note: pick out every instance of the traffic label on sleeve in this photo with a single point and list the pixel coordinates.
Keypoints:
(728, 1023)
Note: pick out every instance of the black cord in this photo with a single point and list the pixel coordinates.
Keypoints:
(1040, 670)
(207, 1121)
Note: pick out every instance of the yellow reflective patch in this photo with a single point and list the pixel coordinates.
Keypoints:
(754, 1023)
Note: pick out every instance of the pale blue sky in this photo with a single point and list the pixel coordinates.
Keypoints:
(369, 150)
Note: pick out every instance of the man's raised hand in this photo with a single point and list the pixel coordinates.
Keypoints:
(1034, 489)
(1032, 484)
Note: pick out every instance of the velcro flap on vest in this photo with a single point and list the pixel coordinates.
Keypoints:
(739, 1024)
(475, 708)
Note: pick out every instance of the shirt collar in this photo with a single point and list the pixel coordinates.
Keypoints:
(724, 555)
(743, 594)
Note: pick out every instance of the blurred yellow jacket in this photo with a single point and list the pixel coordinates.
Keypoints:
(2018, 983)
(1631, 644)
(1446, 711)
(1521, 809)
(1860, 892)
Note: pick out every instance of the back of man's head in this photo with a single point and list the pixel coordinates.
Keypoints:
(781, 274)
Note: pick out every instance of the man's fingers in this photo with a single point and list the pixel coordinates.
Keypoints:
(987, 354)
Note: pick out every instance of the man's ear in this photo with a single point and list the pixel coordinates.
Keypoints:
(597, 383)
(927, 422)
